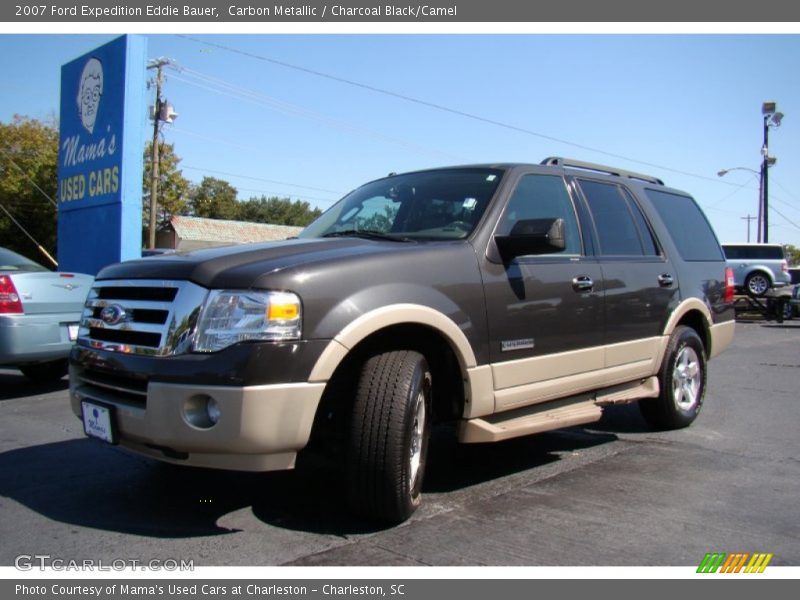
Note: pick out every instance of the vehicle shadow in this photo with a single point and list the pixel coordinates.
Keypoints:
(86, 483)
(14, 384)
(452, 467)
(622, 418)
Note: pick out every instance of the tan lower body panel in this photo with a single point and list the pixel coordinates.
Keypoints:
(721, 337)
(260, 428)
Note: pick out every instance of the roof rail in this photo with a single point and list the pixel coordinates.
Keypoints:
(557, 161)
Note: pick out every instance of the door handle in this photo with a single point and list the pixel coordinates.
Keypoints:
(665, 280)
(582, 283)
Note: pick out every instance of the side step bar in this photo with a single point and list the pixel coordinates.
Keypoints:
(568, 412)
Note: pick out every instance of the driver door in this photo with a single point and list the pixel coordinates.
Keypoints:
(545, 311)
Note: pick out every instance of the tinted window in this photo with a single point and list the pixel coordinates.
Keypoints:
(645, 233)
(613, 219)
(688, 226)
(542, 197)
(754, 252)
(436, 205)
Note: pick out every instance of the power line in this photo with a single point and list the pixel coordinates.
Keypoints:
(25, 175)
(780, 185)
(33, 239)
(787, 219)
(285, 195)
(443, 108)
(225, 88)
(297, 185)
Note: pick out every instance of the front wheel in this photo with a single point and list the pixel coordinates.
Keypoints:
(682, 379)
(388, 438)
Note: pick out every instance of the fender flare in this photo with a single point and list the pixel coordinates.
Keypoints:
(685, 307)
(387, 316)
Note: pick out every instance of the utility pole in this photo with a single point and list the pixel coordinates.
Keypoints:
(765, 180)
(772, 118)
(748, 218)
(157, 64)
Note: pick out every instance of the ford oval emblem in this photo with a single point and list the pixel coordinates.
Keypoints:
(113, 314)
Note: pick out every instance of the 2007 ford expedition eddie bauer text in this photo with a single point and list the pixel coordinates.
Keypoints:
(509, 298)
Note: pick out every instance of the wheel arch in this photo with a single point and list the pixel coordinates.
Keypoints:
(693, 313)
(382, 319)
(410, 327)
(759, 269)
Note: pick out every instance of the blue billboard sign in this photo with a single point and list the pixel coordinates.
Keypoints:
(100, 157)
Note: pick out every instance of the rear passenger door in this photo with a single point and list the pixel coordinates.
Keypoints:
(640, 283)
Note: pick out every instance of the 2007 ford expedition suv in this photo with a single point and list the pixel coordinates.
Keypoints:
(510, 298)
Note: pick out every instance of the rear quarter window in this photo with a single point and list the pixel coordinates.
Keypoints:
(690, 230)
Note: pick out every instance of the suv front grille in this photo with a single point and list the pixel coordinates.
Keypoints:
(156, 318)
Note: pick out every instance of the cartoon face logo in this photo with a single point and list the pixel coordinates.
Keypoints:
(89, 93)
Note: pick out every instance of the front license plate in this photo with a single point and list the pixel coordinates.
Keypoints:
(72, 329)
(98, 421)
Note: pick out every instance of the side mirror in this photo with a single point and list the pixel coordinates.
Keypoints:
(532, 236)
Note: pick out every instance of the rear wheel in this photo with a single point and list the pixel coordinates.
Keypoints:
(682, 380)
(757, 283)
(388, 439)
(45, 371)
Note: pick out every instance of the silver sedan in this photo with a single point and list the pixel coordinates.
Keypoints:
(39, 314)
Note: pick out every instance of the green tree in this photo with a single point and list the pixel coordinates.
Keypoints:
(28, 183)
(214, 199)
(173, 187)
(278, 211)
(792, 255)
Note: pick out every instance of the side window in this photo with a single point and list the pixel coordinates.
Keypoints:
(646, 234)
(543, 197)
(615, 222)
(688, 226)
(732, 252)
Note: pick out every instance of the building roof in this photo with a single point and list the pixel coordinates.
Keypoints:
(235, 232)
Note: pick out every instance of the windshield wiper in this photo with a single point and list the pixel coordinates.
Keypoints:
(367, 234)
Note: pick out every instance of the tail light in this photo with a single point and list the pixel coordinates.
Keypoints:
(729, 287)
(10, 303)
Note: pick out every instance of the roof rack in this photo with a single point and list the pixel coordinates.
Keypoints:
(557, 161)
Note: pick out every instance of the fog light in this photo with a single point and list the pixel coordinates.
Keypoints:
(201, 411)
(213, 410)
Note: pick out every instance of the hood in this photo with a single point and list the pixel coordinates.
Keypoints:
(239, 266)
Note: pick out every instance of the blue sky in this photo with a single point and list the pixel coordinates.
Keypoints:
(687, 105)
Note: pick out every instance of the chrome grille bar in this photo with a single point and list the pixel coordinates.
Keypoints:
(132, 316)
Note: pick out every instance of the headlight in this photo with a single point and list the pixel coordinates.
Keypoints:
(230, 317)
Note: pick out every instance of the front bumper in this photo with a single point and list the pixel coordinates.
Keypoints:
(261, 427)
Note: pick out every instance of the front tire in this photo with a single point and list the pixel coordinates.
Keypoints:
(388, 438)
(682, 380)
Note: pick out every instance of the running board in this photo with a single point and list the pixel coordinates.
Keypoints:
(648, 388)
(538, 418)
(504, 426)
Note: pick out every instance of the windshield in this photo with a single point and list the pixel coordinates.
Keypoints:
(444, 204)
(11, 261)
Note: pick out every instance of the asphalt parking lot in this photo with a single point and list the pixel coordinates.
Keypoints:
(614, 493)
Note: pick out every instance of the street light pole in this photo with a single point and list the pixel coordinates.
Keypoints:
(760, 175)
